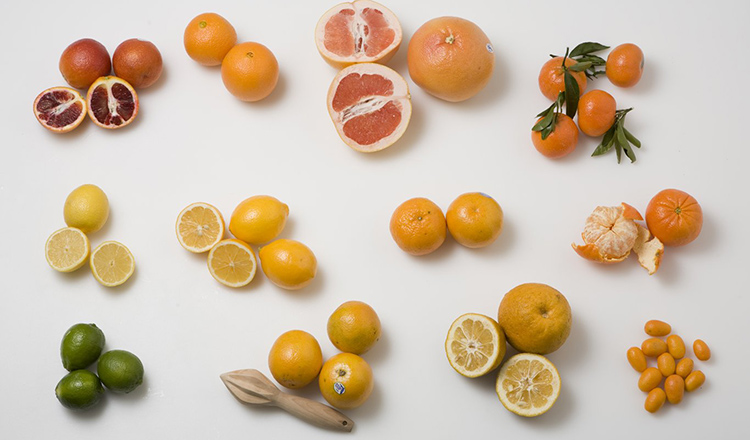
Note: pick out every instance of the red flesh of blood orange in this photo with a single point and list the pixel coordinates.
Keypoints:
(60, 109)
(112, 102)
(370, 106)
(358, 32)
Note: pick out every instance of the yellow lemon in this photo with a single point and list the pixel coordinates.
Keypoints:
(289, 264)
(86, 208)
(112, 263)
(528, 384)
(259, 219)
(232, 263)
(67, 249)
(474, 219)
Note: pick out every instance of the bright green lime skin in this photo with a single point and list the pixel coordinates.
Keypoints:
(81, 346)
(79, 390)
(120, 371)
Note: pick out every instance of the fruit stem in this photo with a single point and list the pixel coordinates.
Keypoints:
(450, 39)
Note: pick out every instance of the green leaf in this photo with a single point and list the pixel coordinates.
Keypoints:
(548, 131)
(572, 94)
(633, 140)
(594, 59)
(587, 48)
(544, 122)
(604, 147)
(547, 110)
(580, 67)
(629, 152)
(618, 149)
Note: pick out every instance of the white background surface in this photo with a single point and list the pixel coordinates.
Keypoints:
(193, 141)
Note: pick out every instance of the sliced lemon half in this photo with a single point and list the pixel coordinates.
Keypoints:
(528, 384)
(475, 345)
(199, 227)
(232, 263)
(67, 249)
(112, 263)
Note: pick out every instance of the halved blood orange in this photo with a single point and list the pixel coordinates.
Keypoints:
(60, 109)
(358, 32)
(112, 102)
(370, 106)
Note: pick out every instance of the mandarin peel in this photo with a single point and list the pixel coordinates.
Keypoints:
(649, 250)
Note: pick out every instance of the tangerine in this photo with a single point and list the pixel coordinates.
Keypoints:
(418, 226)
(625, 65)
(596, 112)
(674, 217)
(552, 77)
(561, 142)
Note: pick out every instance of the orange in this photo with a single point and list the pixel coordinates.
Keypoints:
(625, 65)
(346, 381)
(83, 62)
(137, 62)
(552, 77)
(674, 217)
(450, 58)
(536, 318)
(60, 109)
(561, 142)
(295, 359)
(358, 32)
(208, 37)
(418, 226)
(112, 102)
(596, 112)
(474, 219)
(354, 327)
(250, 71)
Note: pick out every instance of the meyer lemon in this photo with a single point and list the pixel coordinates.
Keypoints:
(475, 345)
(199, 227)
(528, 385)
(295, 359)
(232, 263)
(67, 249)
(112, 263)
(346, 381)
(258, 219)
(86, 208)
(288, 264)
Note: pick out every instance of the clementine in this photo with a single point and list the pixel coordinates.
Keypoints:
(596, 112)
(674, 217)
(625, 65)
(552, 77)
(561, 142)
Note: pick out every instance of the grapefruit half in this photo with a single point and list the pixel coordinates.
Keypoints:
(370, 106)
(358, 32)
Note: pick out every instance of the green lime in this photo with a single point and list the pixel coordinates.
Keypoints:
(79, 390)
(120, 371)
(81, 346)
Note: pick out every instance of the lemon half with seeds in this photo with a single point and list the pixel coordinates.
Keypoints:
(112, 263)
(475, 345)
(67, 249)
(199, 227)
(528, 384)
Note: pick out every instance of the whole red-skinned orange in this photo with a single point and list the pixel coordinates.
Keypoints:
(674, 217)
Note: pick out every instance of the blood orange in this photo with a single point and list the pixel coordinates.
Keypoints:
(370, 106)
(112, 102)
(60, 109)
(358, 32)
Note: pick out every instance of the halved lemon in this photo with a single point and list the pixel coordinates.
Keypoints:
(67, 249)
(199, 227)
(528, 384)
(232, 263)
(475, 345)
(112, 263)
